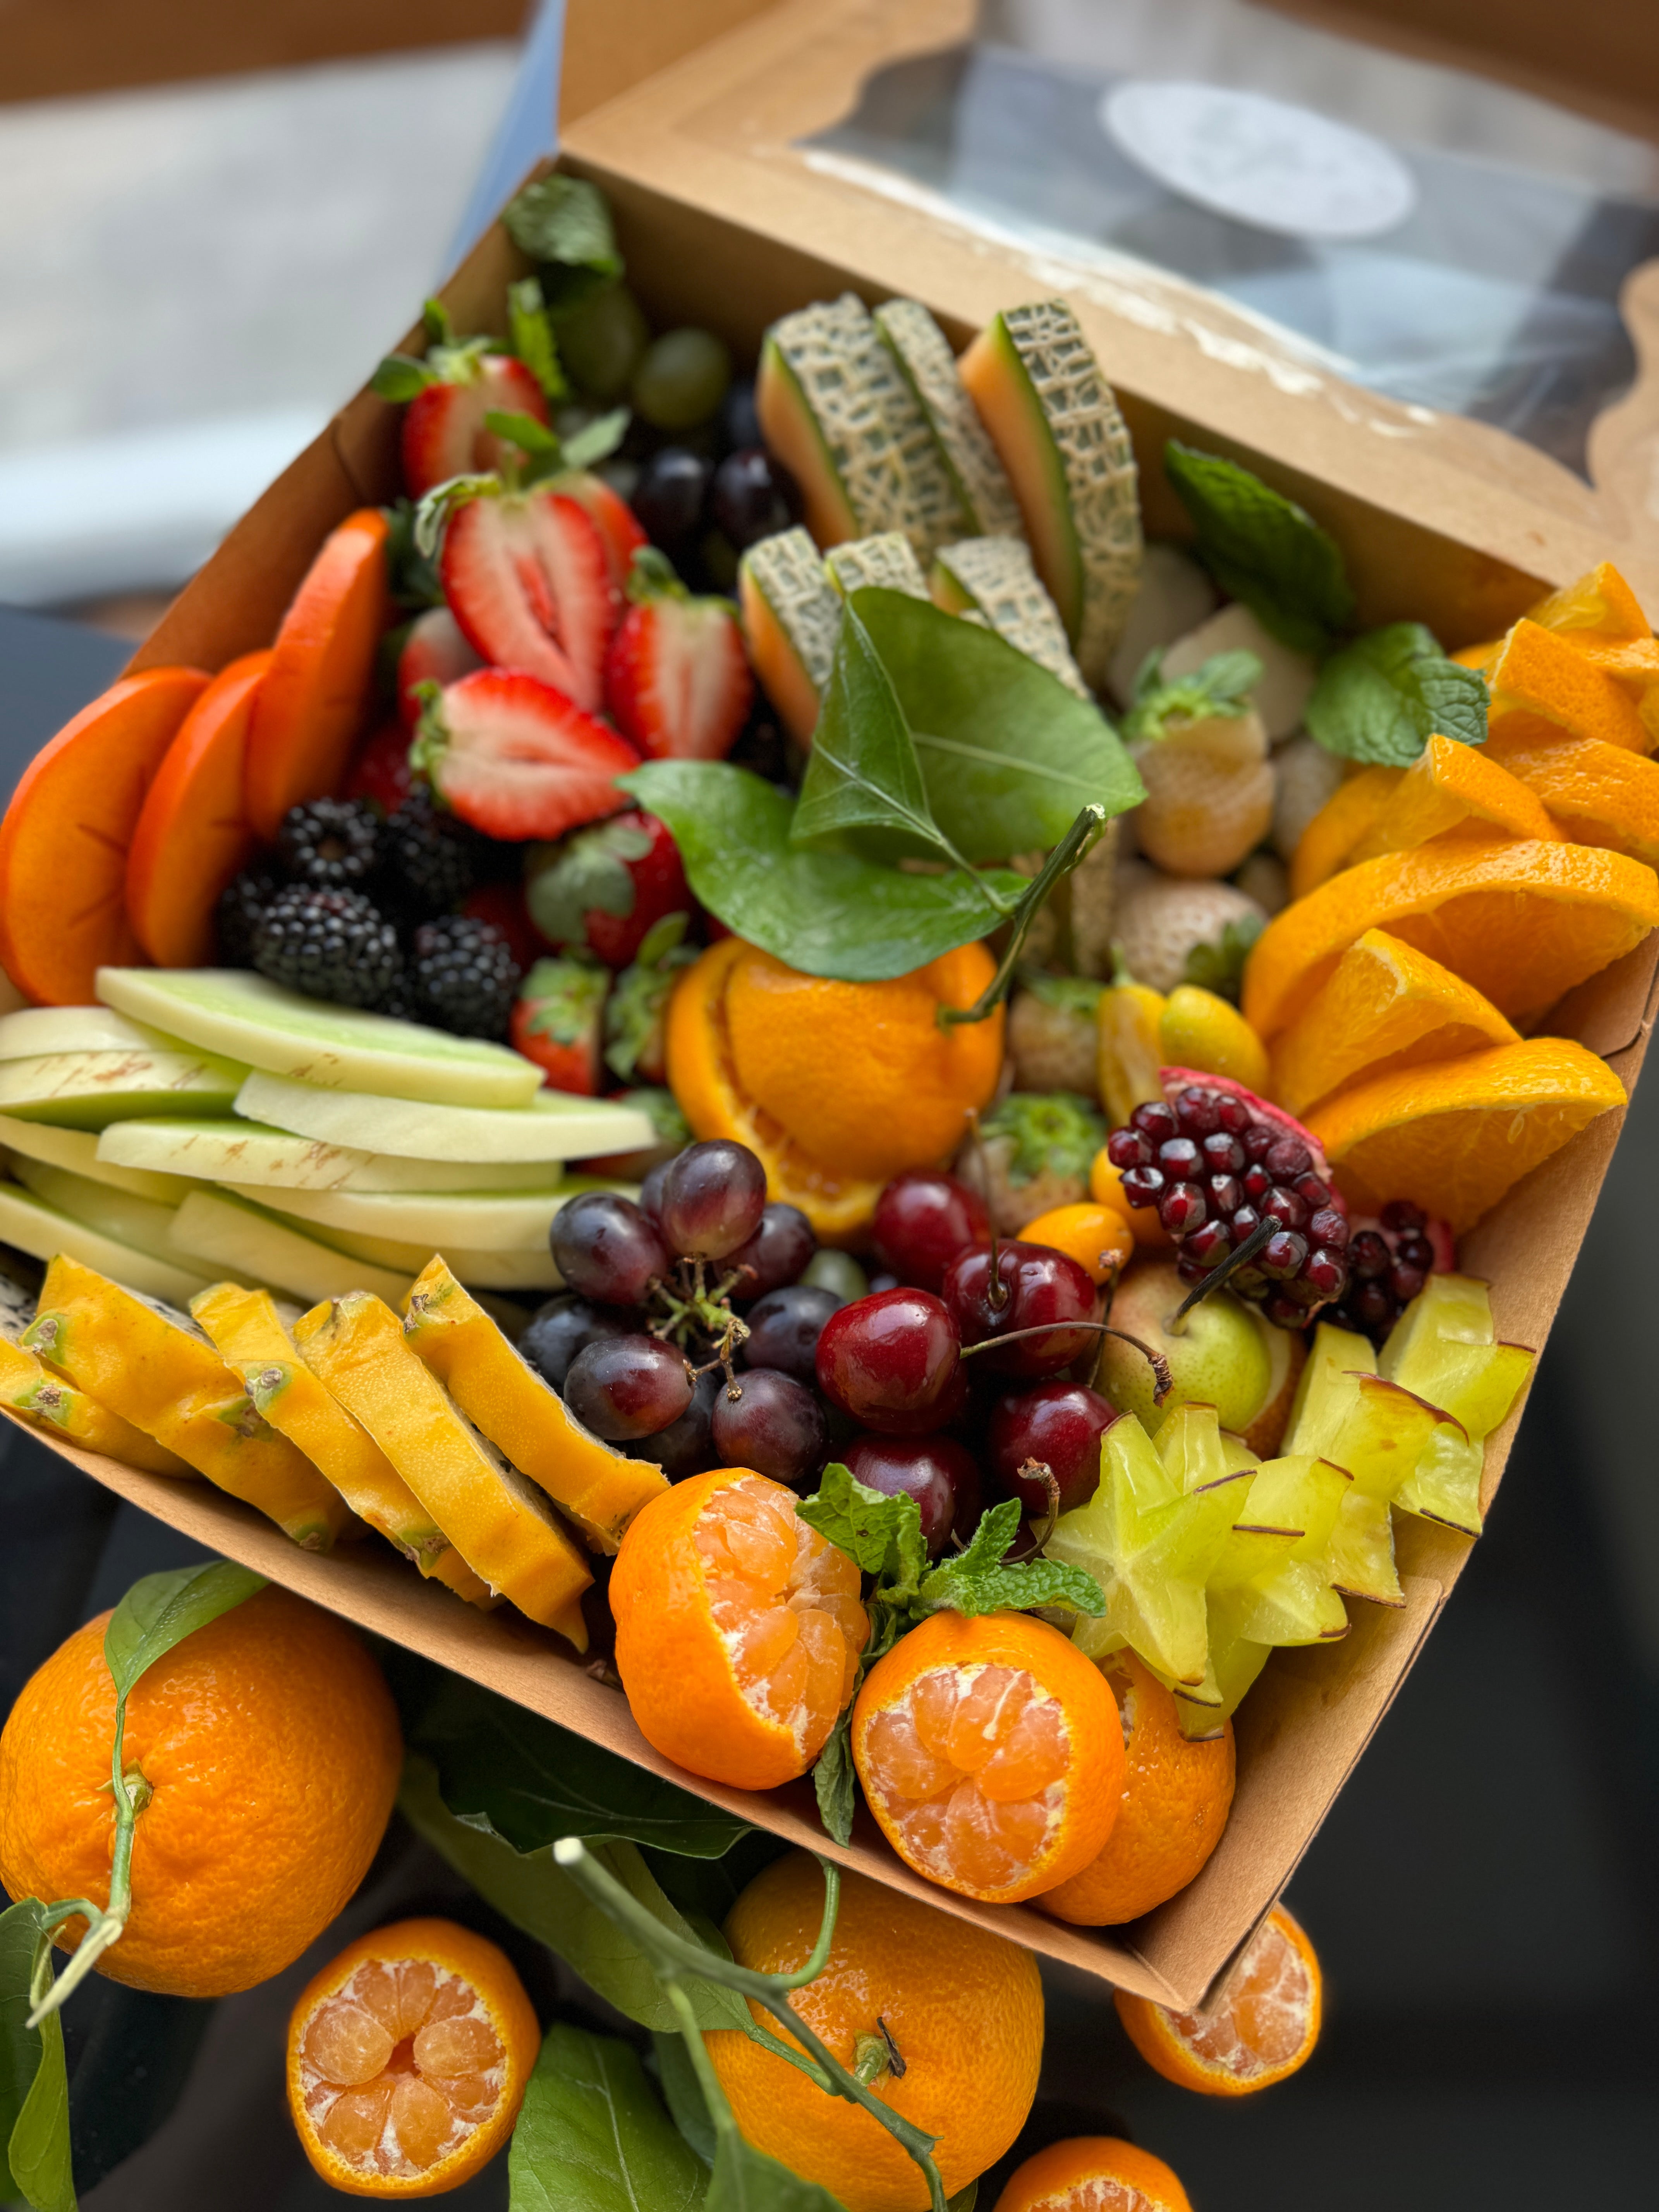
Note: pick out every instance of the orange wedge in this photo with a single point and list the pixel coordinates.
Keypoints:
(1447, 787)
(1540, 675)
(1479, 656)
(1599, 794)
(1521, 920)
(1340, 822)
(1386, 1007)
(1455, 1137)
(1600, 605)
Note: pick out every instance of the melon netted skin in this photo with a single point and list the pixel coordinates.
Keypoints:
(927, 364)
(1054, 418)
(790, 619)
(887, 563)
(835, 411)
(994, 578)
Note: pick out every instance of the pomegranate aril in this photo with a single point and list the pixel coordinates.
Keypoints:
(1244, 1222)
(1234, 1115)
(1256, 1183)
(1127, 1148)
(1156, 1120)
(1183, 1209)
(1224, 1193)
(1222, 1153)
(1328, 1226)
(1285, 1206)
(1311, 1190)
(1284, 1311)
(1326, 1273)
(1406, 1282)
(1287, 1158)
(1188, 1269)
(1257, 1140)
(1368, 1256)
(1282, 1256)
(1199, 1112)
(1180, 1158)
(1210, 1243)
(1402, 1218)
(1416, 1252)
(1143, 1186)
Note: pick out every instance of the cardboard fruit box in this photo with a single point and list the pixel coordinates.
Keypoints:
(1456, 546)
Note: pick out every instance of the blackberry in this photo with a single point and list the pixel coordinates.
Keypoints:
(333, 844)
(330, 945)
(434, 860)
(241, 909)
(466, 977)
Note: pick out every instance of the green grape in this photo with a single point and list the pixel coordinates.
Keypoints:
(838, 1271)
(682, 380)
(603, 343)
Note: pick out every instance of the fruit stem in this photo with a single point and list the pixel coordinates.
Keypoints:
(1253, 1243)
(1064, 858)
(131, 1793)
(1162, 1377)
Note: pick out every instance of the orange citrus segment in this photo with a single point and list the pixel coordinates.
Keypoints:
(1264, 2028)
(408, 2059)
(1385, 1007)
(1600, 794)
(739, 1629)
(1453, 1137)
(1446, 788)
(1600, 603)
(990, 1754)
(1521, 920)
(1539, 674)
(1351, 809)
(1093, 2173)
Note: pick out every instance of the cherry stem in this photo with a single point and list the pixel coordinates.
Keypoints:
(1036, 1470)
(1162, 1376)
(1254, 1242)
(998, 1289)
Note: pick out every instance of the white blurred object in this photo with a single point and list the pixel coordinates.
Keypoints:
(1286, 677)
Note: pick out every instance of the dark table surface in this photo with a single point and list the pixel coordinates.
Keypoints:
(1483, 1898)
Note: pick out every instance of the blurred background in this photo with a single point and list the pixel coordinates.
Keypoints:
(212, 221)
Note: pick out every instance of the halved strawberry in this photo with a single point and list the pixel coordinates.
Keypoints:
(527, 575)
(379, 770)
(557, 1021)
(603, 891)
(677, 678)
(435, 651)
(609, 513)
(444, 434)
(516, 758)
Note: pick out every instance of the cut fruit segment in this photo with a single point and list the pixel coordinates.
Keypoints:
(407, 2060)
(477, 1221)
(78, 1150)
(501, 1393)
(927, 365)
(90, 1090)
(1539, 676)
(1453, 1137)
(1522, 922)
(1599, 604)
(555, 1126)
(231, 1234)
(1054, 422)
(1386, 1007)
(248, 1334)
(68, 828)
(499, 1524)
(886, 563)
(1599, 794)
(485, 1271)
(193, 834)
(739, 1629)
(528, 578)
(1449, 788)
(139, 1222)
(1265, 2027)
(34, 1032)
(42, 1230)
(791, 620)
(1352, 809)
(174, 1152)
(154, 1368)
(248, 1018)
(993, 577)
(991, 1754)
(49, 1403)
(1094, 2173)
(517, 759)
(1444, 1347)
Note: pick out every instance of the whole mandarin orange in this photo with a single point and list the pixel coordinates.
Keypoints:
(1093, 2173)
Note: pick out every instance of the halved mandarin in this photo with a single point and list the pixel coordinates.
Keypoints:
(407, 2060)
(991, 1754)
(1265, 2027)
(739, 1629)
(1093, 2173)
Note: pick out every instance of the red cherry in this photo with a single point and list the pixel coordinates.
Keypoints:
(923, 1220)
(1040, 1286)
(892, 1362)
(939, 1473)
(1060, 1424)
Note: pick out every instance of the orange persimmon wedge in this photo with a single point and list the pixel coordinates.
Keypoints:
(313, 702)
(192, 835)
(64, 842)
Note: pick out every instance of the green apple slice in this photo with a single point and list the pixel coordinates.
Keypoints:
(479, 1221)
(90, 1090)
(36, 1030)
(176, 1152)
(78, 1150)
(557, 1126)
(43, 1231)
(243, 1240)
(247, 1017)
(139, 1222)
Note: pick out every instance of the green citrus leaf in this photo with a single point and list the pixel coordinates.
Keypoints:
(591, 2135)
(745, 2180)
(34, 2137)
(683, 2094)
(161, 1610)
(566, 221)
(862, 773)
(835, 1781)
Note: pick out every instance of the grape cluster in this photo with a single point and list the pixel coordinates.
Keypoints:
(1216, 1167)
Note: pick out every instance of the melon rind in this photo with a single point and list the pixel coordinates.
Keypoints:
(1055, 423)
(886, 563)
(994, 578)
(836, 410)
(925, 361)
(557, 1125)
(790, 619)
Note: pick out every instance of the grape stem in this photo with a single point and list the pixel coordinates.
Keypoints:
(1162, 1378)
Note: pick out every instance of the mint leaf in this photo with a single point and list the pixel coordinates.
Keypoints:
(1263, 548)
(1381, 699)
(597, 440)
(400, 378)
(531, 335)
(1016, 1586)
(565, 223)
(161, 1610)
(828, 913)
(592, 2133)
(881, 1536)
(1220, 965)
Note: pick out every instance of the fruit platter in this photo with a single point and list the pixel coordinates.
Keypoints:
(705, 1040)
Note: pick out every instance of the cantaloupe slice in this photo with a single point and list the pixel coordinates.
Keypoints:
(43, 1230)
(174, 1152)
(78, 1150)
(500, 1524)
(599, 1488)
(557, 1125)
(994, 578)
(790, 619)
(1054, 419)
(925, 361)
(192, 835)
(847, 426)
(155, 1368)
(46, 1401)
(886, 563)
(233, 1235)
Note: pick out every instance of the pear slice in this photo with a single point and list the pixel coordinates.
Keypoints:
(241, 1153)
(556, 1124)
(77, 1151)
(46, 1401)
(139, 1222)
(477, 1221)
(155, 1368)
(90, 1090)
(42, 1230)
(34, 1031)
(601, 1488)
(490, 1271)
(499, 1524)
(257, 1247)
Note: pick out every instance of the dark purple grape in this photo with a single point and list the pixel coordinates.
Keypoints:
(784, 1328)
(607, 1249)
(558, 1331)
(753, 496)
(686, 1446)
(1156, 1120)
(939, 1474)
(624, 1386)
(1372, 1306)
(651, 1189)
(711, 1198)
(1127, 1148)
(739, 422)
(775, 1255)
(1415, 1252)
(669, 497)
(769, 1421)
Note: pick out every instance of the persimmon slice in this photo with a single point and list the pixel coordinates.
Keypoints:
(64, 842)
(192, 835)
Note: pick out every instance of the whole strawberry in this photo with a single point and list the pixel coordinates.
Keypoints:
(558, 1021)
(604, 889)
(676, 678)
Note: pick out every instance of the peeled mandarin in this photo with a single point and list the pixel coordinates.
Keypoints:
(1265, 2027)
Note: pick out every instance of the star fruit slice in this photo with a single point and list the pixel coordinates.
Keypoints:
(1443, 1348)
